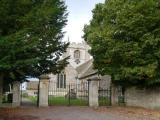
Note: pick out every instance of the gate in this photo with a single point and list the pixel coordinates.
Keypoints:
(121, 95)
(68, 94)
(31, 97)
(104, 97)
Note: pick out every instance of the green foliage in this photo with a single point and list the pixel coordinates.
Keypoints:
(31, 37)
(125, 39)
(25, 95)
(33, 99)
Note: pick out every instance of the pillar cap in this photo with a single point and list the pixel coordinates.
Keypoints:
(44, 77)
(94, 79)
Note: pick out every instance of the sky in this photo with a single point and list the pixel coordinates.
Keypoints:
(80, 13)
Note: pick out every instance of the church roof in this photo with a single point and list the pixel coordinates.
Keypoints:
(84, 66)
(86, 69)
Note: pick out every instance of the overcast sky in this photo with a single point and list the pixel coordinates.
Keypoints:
(80, 13)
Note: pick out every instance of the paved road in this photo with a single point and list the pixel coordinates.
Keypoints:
(61, 113)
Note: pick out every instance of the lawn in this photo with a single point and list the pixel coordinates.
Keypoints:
(32, 98)
(103, 101)
(66, 101)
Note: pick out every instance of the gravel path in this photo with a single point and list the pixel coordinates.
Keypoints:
(62, 113)
(27, 103)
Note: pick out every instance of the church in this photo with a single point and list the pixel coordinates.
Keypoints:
(75, 74)
(79, 55)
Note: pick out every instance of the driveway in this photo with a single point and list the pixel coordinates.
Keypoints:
(26, 102)
(67, 113)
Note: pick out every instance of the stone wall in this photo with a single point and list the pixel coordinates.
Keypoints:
(148, 98)
(105, 82)
(32, 92)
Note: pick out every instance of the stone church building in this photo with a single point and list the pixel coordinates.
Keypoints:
(79, 55)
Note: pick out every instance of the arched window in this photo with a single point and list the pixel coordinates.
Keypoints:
(61, 80)
(76, 54)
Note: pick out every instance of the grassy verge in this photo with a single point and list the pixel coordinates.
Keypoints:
(65, 101)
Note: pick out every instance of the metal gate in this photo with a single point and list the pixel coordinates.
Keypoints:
(121, 95)
(31, 97)
(104, 97)
(68, 94)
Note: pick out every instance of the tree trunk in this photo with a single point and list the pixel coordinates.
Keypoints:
(1, 88)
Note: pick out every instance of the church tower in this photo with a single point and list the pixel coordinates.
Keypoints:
(78, 53)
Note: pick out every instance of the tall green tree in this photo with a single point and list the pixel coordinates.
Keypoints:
(31, 37)
(125, 39)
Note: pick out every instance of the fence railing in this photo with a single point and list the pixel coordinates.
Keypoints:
(70, 94)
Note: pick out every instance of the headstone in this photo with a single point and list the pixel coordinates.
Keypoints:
(43, 91)
(93, 92)
(16, 94)
(71, 94)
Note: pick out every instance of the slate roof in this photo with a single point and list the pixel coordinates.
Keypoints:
(86, 69)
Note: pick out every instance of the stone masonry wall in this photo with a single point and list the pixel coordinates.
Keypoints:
(105, 82)
(148, 98)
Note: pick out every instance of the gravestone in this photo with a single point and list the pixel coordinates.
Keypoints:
(71, 94)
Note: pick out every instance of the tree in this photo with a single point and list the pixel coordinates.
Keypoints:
(31, 38)
(125, 39)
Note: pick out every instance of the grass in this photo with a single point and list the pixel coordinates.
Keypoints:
(32, 98)
(65, 101)
(60, 101)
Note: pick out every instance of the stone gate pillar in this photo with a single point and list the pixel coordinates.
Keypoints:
(43, 91)
(113, 95)
(93, 92)
(1, 89)
(16, 94)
